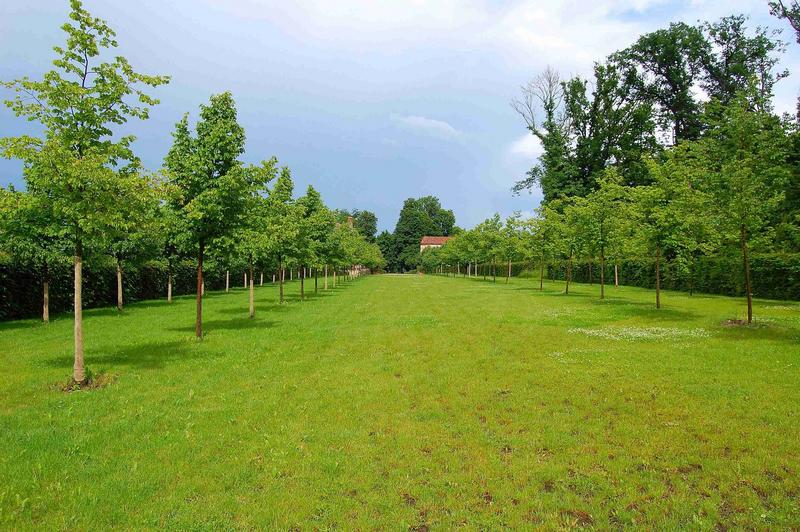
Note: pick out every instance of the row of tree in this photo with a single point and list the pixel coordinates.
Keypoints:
(87, 192)
(672, 151)
(701, 197)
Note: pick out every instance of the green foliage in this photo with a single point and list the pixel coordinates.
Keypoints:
(418, 217)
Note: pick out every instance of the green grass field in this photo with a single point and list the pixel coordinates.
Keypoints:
(406, 401)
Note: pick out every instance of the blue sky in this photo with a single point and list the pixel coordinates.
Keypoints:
(371, 102)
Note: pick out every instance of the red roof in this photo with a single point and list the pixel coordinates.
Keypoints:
(434, 240)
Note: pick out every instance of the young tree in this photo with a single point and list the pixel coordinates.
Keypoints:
(283, 220)
(251, 238)
(78, 167)
(212, 185)
(31, 234)
(744, 167)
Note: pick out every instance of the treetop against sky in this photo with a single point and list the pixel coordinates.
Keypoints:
(371, 102)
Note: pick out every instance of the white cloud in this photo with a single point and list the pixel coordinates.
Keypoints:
(527, 146)
(428, 126)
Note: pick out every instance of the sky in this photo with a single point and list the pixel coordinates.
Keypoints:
(370, 102)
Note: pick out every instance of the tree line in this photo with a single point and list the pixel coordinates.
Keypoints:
(87, 193)
(671, 152)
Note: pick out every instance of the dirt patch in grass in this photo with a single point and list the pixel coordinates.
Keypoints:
(93, 382)
(578, 517)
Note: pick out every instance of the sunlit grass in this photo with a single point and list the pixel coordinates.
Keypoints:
(406, 401)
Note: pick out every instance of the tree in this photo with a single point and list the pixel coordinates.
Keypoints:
(251, 237)
(418, 218)
(743, 165)
(78, 167)
(284, 220)
(212, 185)
(31, 234)
(789, 11)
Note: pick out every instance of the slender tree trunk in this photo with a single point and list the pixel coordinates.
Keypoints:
(252, 292)
(691, 276)
(169, 286)
(658, 276)
(326, 277)
(302, 283)
(119, 285)
(334, 277)
(46, 295)
(569, 273)
(291, 274)
(541, 276)
(591, 272)
(281, 275)
(261, 280)
(602, 274)
(616, 274)
(508, 274)
(198, 326)
(245, 280)
(316, 280)
(78, 370)
(747, 284)
(227, 281)
(281, 279)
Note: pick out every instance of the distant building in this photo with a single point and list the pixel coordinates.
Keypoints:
(433, 242)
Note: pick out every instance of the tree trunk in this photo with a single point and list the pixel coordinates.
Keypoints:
(316, 280)
(602, 274)
(78, 370)
(747, 286)
(616, 275)
(302, 284)
(541, 276)
(591, 273)
(198, 326)
(252, 292)
(508, 274)
(261, 280)
(281, 276)
(245, 280)
(45, 301)
(658, 276)
(334, 277)
(119, 285)
(169, 286)
(291, 274)
(326, 277)
(569, 273)
(691, 276)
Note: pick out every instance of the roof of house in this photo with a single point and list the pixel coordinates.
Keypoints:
(434, 240)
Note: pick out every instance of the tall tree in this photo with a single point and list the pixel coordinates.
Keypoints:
(213, 186)
(82, 169)
(418, 218)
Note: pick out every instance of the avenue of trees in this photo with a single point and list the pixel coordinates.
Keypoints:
(87, 194)
(672, 153)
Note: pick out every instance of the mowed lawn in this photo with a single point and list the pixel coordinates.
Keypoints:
(404, 401)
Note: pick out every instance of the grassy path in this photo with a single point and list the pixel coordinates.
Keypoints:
(405, 401)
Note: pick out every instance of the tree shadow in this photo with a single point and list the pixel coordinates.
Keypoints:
(233, 324)
(22, 324)
(152, 355)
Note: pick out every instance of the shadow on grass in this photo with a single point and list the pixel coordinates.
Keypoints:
(152, 355)
(233, 324)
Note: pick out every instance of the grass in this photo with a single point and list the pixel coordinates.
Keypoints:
(406, 401)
